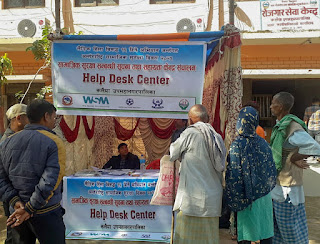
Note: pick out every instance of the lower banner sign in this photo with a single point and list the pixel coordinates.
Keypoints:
(128, 236)
(114, 207)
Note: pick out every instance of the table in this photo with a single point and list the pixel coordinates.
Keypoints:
(114, 205)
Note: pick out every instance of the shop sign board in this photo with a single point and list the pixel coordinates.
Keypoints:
(294, 15)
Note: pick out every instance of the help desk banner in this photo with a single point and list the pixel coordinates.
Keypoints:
(107, 208)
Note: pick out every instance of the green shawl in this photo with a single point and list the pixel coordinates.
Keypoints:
(278, 136)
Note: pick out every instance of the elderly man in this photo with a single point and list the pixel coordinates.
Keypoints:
(199, 195)
(290, 144)
(32, 164)
(17, 115)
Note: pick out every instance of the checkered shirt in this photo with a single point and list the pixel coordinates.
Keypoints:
(314, 121)
(309, 111)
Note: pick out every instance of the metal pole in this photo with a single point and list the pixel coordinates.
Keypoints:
(231, 12)
(221, 14)
(57, 12)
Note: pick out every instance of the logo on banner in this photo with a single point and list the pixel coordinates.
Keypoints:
(266, 5)
(99, 100)
(183, 104)
(67, 100)
(76, 234)
(165, 237)
(129, 101)
(157, 103)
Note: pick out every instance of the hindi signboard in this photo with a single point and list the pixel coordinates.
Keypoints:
(130, 79)
(294, 15)
(115, 207)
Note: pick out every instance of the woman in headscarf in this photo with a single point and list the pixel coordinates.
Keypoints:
(250, 176)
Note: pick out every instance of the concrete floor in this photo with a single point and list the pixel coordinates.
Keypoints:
(313, 217)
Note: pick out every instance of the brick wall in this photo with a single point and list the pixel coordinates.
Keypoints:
(24, 64)
(281, 57)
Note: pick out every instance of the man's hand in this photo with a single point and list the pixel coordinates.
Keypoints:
(301, 164)
(18, 216)
(18, 205)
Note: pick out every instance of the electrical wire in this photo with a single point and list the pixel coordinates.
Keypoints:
(46, 65)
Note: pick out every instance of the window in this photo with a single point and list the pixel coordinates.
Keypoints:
(91, 3)
(171, 1)
(23, 3)
(13, 88)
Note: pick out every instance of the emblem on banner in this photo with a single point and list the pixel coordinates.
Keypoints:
(165, 237)
(157, 103)
(266, 5)
(129, 101)
(76, 234)
(67, 100)
(183, 104)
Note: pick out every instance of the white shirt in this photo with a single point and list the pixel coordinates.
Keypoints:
(307, 146)
(200, 189)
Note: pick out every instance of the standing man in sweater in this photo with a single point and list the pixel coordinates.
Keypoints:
(32, 164)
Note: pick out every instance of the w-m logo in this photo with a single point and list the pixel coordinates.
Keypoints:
(98, 100)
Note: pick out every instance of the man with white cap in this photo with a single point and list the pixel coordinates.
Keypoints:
(17, 115)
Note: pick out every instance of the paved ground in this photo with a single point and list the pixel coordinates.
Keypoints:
(313, 216)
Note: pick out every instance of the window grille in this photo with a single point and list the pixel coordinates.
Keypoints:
(264, 100)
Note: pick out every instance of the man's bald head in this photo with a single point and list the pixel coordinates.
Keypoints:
(198, 113)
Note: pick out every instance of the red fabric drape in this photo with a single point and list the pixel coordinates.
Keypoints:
(162, 133)
(231, 42)
(122, 133)
(70, 135)
(216, 124)
(89, 132)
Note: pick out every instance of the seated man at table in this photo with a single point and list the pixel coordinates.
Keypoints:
(125, 159)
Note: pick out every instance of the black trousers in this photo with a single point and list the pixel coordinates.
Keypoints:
(265, 241)
(48, 229)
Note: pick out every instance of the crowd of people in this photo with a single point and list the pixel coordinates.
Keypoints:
(263, 182)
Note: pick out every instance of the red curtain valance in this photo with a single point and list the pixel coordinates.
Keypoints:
(89, 132)
(162, 133)
(125, 134)
(72, 135)
(122, 133)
